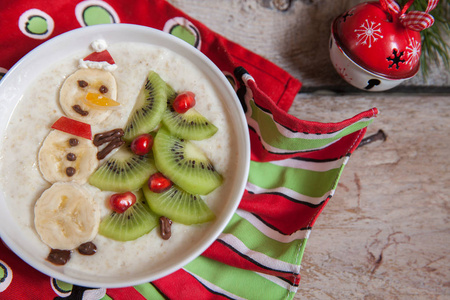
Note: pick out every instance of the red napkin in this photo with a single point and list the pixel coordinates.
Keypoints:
(294, 170)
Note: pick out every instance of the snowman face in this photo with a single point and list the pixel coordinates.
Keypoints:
(83, 90)
(66, 157)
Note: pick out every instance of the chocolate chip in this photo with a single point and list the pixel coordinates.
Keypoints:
(88, 248)
(80, 111)
(70, 171)
(82, 83)
(73, 142)
(71, 156)
(115, 143)
(107, 136)
(103, 89)
(59, 257)
(165, 227)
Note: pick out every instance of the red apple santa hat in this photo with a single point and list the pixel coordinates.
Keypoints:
(100, 59)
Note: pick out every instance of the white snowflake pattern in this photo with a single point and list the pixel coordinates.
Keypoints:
(368, 33)
(413, 53)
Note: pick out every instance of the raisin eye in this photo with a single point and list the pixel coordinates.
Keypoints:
(73, 142)
(82, 83)
(103, 89)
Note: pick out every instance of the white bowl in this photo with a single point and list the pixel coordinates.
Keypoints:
(19, 77)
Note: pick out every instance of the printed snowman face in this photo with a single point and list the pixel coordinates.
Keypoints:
(88, 95)
(66, 157)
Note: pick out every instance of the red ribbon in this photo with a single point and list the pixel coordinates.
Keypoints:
(414, 20)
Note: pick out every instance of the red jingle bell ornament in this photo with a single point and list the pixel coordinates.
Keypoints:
(375, 46)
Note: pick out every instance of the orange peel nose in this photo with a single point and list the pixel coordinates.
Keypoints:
(99, 101)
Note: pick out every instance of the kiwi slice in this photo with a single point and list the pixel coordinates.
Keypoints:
(148, 109)
(179, 205)
(191, 125)
(123, 171)
(136, 221)
(185, 164)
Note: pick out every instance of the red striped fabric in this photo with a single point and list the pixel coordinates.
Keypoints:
(417, 20)
(284, 215)
(223, 253)
(431, 5)
(182, 285)
(128, 293)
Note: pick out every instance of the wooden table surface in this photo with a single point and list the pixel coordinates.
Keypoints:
(385, 234)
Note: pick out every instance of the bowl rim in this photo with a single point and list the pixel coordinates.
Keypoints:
(240, 127)
(342, 49)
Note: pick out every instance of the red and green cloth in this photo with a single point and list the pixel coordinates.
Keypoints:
(294, 171)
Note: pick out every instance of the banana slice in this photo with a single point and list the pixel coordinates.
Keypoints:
(66, 216)
(66, 157)
(74, 90)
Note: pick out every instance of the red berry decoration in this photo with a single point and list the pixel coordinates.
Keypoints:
(183, 102)
(121, 202)
(142, 144)
(158, 183)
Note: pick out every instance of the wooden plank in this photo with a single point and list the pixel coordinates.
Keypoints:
(385, 234)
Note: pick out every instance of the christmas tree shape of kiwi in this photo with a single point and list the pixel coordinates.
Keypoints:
(177, 158)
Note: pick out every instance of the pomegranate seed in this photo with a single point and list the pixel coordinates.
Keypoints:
(183, 102)
(121, 202)
(158, 183)
(142, 144)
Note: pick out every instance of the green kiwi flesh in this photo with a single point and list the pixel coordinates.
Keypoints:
(191, 125)
(123, 171)
(185, 164)
(179, 205)
(148, 109)
(136, 221)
